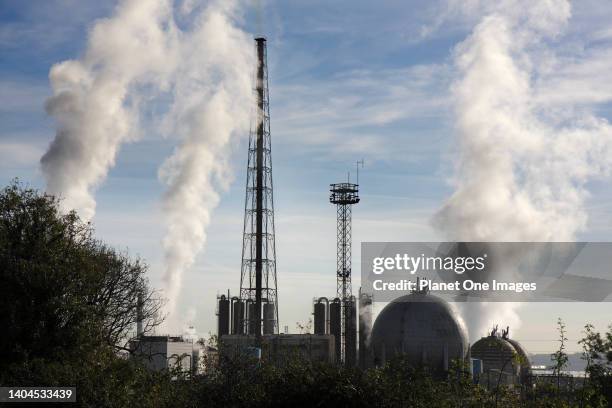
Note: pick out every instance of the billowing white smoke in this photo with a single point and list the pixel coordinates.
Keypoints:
(522, 165)
(139, 54)
(212, 101)
(95, 99)
(189, 332)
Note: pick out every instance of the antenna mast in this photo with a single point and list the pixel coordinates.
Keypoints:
(344, 196)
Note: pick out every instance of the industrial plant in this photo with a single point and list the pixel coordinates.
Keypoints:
(422, 328)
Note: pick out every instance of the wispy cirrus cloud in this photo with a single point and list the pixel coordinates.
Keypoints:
(18, 95)
(359, 111)
(15, 154)
(582, 78)
(46, 25)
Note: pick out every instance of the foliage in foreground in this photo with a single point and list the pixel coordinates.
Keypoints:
(105, 380)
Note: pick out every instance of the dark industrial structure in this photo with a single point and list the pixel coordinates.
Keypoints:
(328, 320)
(258, 292)
(282, 348)
(423, 328)
(344, 196)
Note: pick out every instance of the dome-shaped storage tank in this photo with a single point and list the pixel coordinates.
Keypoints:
(503, 360)
(525, 370)
(423, 328)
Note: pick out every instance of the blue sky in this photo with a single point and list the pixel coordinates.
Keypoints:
(349, 80)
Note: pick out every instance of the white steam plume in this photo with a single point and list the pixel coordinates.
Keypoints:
(212, 105)
(141, 53)
(94, 100)
(522, 165)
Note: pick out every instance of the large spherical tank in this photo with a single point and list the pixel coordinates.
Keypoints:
(423, 328)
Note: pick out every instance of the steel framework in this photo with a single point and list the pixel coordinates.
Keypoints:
(258, 270)
(344, 196)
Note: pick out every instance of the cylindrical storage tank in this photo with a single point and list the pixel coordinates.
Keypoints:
(499, 364)
(268, 315)
(223, 318)
(423, 328)
(237, 316)
(251, 316)
(320, 320)
(351, 333)
(335, 324)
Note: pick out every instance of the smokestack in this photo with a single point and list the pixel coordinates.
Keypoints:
(139, 316)
(258, 272)
(261, 47)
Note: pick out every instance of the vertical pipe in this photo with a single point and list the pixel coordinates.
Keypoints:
(139, 315)
(261, 44)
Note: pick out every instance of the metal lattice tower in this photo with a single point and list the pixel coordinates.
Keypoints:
(258, 271)
(344, 195)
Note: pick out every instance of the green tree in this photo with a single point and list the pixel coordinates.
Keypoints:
(597, 353)
(63, 294)
(559, 357)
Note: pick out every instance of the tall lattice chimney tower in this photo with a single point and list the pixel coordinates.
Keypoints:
(258, 270)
